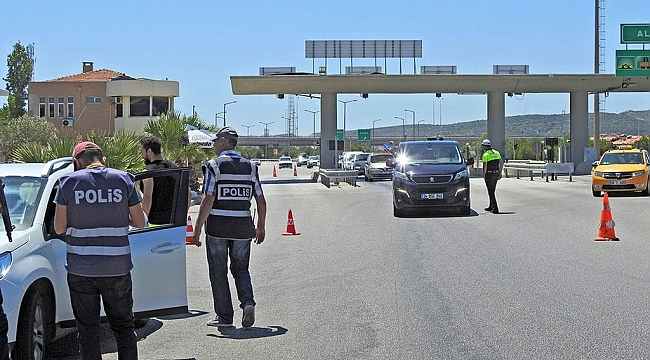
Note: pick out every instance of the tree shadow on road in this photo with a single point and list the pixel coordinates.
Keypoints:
(249, 333)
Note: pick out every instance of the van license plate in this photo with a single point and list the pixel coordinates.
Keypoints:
(617, 182)
(431, 196)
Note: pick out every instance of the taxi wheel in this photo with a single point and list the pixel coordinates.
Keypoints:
(646, 192)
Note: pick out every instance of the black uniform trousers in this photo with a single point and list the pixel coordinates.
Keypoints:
(491, 179)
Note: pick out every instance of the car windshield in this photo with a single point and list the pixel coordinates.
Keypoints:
(361, 157)
(380, 159)
(621, 158)
(22, 195)
(313, 158)
(430, 153)
(285, 158)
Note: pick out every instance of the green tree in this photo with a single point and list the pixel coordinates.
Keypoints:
(25, 130)
(19, 74)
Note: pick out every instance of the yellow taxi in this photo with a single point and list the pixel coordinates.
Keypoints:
(622, 169)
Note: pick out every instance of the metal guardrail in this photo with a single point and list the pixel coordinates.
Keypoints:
(331, 177)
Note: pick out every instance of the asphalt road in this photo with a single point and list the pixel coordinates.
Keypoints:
(529, 283)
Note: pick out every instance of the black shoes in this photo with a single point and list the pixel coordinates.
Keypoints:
(491, 209)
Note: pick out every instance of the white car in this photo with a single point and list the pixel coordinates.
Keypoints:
(313, 161)
(32, 273)
(285, 161)
(256, 161)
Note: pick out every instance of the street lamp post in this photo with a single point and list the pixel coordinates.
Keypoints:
(345, 104)
(216, 117)
(314, 114)
(372, 136)
(266, 127)
(403, 124)
(248, 127)
(419, 121)
(224, 111)
(412, 111)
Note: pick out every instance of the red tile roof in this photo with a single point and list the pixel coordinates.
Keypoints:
(101, 75)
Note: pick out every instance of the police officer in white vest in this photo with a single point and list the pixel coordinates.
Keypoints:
(230, 182)
(94, 207)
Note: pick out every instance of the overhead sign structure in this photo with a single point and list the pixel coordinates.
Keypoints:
(334, 49)
(363, 134)
(635, 33)
(632, 63)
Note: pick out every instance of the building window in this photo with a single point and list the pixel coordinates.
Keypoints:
(50, 105)
(41, 107)
(139, 106)
(61, 107)
(70, 107)
(160, 105)
(119, 110)
(93, 100)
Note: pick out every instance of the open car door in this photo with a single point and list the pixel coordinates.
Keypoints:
(158, 252)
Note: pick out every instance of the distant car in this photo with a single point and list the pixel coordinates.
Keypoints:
(302, 159)
(256, 161)
(621, 170)
(375, 167)
(285, 161)
(358, 161)
(313, 161)
(348, 159)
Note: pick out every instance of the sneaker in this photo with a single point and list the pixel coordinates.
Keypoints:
(219, 322)
(489, 208)
(249, 316)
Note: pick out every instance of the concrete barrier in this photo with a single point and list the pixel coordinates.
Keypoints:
(331, 177)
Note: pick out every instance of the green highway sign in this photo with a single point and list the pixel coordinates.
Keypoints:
(635, 33)
(632, 63)
(339, 134)
(363, 134)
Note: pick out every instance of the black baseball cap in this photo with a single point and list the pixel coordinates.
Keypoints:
(226, 132)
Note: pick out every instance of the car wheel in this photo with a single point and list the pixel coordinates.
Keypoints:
(397, 212)
(34, 325)
(595, 193)
(140, 323)
(646, 192)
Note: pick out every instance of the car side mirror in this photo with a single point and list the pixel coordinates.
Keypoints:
(390, 163)
(595, 163)
(470, 161)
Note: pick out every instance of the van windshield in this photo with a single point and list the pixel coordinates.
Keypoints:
(22, 195)
(430, 153)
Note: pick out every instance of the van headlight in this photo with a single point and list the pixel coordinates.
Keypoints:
(5, 264)
(639, 173)
(461, 174)
(401, 175)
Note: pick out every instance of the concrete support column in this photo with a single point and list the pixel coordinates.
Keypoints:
(496, 121)
(328, 127)
(579, 130)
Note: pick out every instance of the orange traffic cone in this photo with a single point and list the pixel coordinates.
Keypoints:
(606, 228)
(291, 228)
(189, 231)
(274, 173)
(295, 170)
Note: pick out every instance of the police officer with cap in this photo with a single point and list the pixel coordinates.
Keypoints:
(492, 168)
(230, 182)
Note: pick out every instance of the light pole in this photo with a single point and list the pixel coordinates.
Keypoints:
(314, 114)
(419, 121)
(412, 111)
(266, 127)
(372, 136)
(224, 111)
(345, 105)
(403, 124)
(216, 116)
(248, 127)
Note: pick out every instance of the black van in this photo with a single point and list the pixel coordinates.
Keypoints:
(430, 174)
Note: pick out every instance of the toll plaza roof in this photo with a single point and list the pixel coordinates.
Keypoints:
(435, 83)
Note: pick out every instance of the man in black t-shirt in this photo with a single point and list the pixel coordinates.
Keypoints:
(157, 194)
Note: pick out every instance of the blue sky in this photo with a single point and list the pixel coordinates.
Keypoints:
(201, 44)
